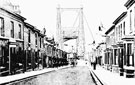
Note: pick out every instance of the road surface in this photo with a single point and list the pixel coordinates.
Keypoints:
(79, 75)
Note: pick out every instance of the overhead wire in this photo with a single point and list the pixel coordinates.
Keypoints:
(76, 20)
(89, 29)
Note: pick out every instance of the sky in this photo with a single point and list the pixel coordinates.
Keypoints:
(43, 13)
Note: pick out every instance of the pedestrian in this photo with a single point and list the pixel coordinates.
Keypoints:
(94, 66)
(94, 63)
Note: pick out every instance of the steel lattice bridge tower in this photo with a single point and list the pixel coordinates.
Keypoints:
(77, 33)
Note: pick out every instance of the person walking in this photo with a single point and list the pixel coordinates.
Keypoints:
(94, 63)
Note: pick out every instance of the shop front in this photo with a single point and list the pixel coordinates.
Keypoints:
(115, 67)
(4, 56)
(21, 59)
(108, 59)
(128, 56)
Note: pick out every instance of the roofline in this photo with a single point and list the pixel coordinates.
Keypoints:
(129, 3)
(37, 30)
(42, 35)
(34, 29)
(29, 25)
(14, 14)
(110, 29)
(119, 18)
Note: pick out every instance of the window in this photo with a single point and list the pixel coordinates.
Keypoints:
(130, 20)
(2, 26)
(123, 28)
(36, 38)
(19, 34)
(12, 29)
(119, 32)
(129, 49)
(4, 54)
(125, 59)
(40, 42)
(29, 36)
(115, 54)
(116, 34)
(134, 18)
(112, 57)
(129, 54)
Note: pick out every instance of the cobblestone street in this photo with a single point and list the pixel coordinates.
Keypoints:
(79, 75)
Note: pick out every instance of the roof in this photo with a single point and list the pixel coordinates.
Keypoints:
(129, 3)
(14, 14)
(50, 40)
(110, 29)
(46, 42)
(120, 18)
(33, 28)
(39, 32)
(29, 26)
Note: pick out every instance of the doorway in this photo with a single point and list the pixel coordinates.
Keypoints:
(12, 59)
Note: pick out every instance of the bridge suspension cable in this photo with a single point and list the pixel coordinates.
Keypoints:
(89, 29)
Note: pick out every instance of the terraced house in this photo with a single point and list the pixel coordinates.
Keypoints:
(122, 58)
(11, 39)
(33, 45)
(130, 39)
(23, 47)
(119, 58)
(120, 55)
(21, 44)
(109, 48)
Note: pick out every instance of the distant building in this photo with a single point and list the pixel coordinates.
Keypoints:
(100, 53)
(109, 49)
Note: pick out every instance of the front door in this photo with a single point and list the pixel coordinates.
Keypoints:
(12, 59)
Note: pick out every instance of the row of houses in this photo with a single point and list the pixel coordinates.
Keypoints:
(119, 46)
(16, 37)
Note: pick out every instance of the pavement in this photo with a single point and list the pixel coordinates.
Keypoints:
(110, 78)
(11, 78)
(105, 76)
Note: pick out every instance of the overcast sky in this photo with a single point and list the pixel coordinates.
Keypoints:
(42, 13)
